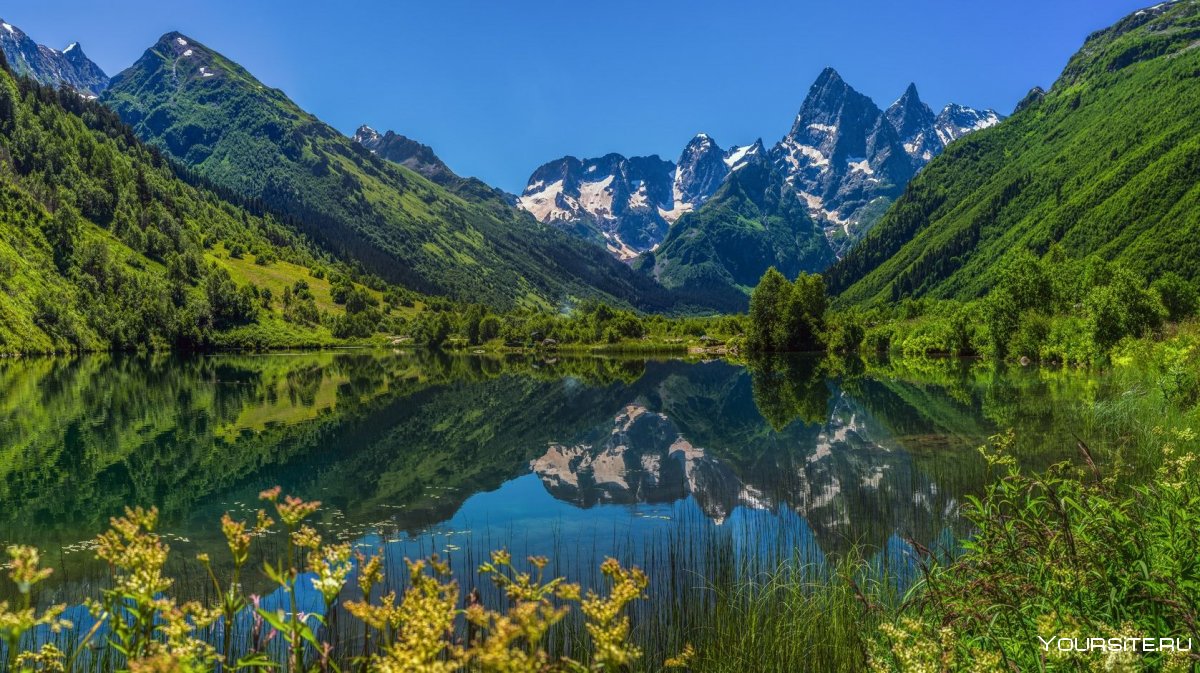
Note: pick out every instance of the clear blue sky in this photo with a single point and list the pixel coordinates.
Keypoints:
(498, 87)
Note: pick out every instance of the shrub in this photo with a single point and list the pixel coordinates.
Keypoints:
(1067, 553)
(1178, 296)
(148, 630)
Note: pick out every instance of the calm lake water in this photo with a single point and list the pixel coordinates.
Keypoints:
(658, 463)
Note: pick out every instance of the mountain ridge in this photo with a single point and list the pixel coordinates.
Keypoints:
(1103, 163)
(109, 246)
(69, 67)
(846, 198)
(210, 113)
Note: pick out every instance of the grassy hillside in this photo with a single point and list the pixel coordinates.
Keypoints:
(103, 245)
(1107, 163)
(210, 113)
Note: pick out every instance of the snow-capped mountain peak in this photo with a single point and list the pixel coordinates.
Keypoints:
(615, 200)
(628, 204)
(914, 123)
(956, 121)
(365, 135)
(844, 157)
(68, 68)
(740, 157)
(700, 170)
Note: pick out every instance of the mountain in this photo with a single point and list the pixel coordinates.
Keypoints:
(925, 136)
(842, 153)
(714, 256)
(106, 245)
(803, 202)
(956, 121)
(613, 200)
(846, 160)
(916, 125)
(699, 172)
(850, 160)
(421, 158)
(808, 199)
(69, 67)
(628, 203)
(208, 112)
(1106, 162)
(404, 151)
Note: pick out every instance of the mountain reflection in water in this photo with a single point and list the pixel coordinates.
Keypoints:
(406, 448)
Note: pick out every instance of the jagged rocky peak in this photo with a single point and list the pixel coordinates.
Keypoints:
(909, 114)
(67, 68)
(848, 160)
(835, 128)
(403, 150)
(956, 121)
(700, 171)
(1035, 95)
(914, 122)
(738, 158)
(367, 137)
(842, 153)
(825, 103)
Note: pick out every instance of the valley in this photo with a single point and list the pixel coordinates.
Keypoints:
(884, 388)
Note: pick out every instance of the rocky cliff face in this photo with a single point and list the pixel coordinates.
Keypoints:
(69, 67)
(404, 151)
(842, 153)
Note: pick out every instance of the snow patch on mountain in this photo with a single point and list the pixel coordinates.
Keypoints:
(547, 203)
(736, 154)
(596, 197)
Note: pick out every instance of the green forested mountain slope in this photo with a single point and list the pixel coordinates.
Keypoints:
(1107, 162)
(104, 244)
(714, 256)
(210, 113)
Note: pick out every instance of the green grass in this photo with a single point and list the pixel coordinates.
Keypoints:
(281, 274)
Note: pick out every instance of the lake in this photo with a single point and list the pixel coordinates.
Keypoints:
(686, 468)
